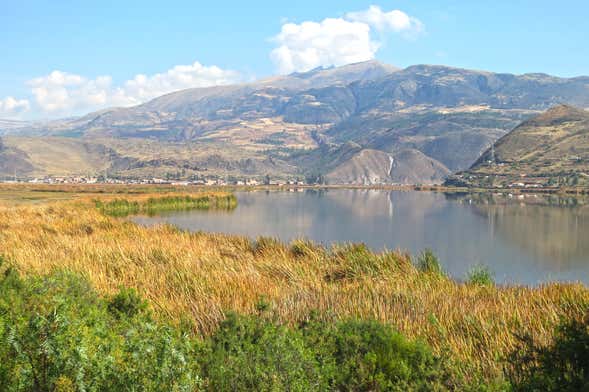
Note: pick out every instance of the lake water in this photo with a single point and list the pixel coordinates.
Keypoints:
(525, 240)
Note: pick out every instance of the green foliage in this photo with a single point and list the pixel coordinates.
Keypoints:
(480, 275)
(561, 366)
(428, 262)
(126, 303)
(155, 205)
(118, 207)
(57, 334)
(371, 356)
(254, 354)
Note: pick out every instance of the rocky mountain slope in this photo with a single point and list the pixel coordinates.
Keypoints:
(317, 121)
(551, 149)
(373, 167)
(367, 167)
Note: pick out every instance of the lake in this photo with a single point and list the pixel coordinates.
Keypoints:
(522, 239)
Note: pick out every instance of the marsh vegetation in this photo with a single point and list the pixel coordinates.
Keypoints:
(214, 311)
(121, 207)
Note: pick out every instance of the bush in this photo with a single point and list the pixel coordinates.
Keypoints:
(57, 334)
(561, 366)
(371, 356)
(126, 303)
(480, 275)
(254, 354)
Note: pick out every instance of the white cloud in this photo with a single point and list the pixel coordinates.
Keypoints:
(331, 42)
(62, 94)
(12, 107)
(395, 20)
(338, 41)
(142, 87)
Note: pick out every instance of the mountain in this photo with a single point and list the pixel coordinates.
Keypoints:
(450, 114)
(314, 122)
(549, 149)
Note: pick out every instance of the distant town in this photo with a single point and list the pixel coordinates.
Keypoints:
(212, 181)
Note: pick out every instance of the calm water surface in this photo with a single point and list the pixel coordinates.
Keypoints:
(522, 240)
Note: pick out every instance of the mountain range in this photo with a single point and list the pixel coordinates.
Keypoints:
(365, 123)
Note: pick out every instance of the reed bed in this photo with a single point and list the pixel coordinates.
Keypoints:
(198, 277)
(153, 205)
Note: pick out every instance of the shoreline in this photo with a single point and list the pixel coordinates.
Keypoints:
(143, 188)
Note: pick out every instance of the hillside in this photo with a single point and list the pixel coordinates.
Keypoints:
(372, 167)
(12, 161)
(551, 149)
(290, 125)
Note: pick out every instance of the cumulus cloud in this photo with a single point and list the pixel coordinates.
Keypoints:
(395, 20)
(331, 42)
(12, 107)
(142, 87)
(62, 93)
(338, 41)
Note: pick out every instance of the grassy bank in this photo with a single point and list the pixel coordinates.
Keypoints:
(196, 278)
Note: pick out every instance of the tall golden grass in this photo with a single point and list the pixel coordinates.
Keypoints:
(197, 277)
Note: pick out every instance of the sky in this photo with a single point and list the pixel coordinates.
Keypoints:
(63, 58)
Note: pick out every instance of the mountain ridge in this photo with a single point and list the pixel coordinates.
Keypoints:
(450, 115)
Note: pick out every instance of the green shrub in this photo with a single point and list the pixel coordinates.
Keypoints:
(560, 366)
(56, 333)
(371, 356)
(428, 262)
(126, 303)
(254, 354)
(480, 275)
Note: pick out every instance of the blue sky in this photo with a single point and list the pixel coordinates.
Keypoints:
(98, 50)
